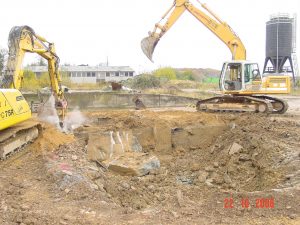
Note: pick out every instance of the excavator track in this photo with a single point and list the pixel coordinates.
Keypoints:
(238, 103)
(13, 139)
(280, 106)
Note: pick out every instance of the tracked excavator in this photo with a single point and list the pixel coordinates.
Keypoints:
(243, 88)
(16, 129)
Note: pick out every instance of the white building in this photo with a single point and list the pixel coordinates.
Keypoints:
(91, 74)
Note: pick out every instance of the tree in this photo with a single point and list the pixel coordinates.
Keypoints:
(65, 78)
(3, 54)
(165, 72)
(44, 80)
(40, 61)
(30, 82)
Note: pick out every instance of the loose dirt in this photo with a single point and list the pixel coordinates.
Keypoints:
(211, 166)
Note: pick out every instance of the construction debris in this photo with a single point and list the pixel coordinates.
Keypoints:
(156, 165)
(120, 152)
(138, 103)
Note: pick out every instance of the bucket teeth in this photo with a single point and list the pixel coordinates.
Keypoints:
(148, 45)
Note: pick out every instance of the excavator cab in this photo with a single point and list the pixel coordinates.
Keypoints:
(240, 76)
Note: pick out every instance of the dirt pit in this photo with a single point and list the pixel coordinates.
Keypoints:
(204, 161)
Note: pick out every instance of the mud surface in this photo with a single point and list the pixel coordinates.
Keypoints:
(209, 164)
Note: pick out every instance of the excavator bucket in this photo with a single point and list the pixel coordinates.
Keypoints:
(148, 45)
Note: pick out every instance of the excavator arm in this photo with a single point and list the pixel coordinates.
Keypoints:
(210, 20)
(23, 39)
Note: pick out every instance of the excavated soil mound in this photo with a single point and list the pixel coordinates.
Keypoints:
(50, 139)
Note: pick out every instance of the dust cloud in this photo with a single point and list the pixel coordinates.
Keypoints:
(73, 120)
(48, 113)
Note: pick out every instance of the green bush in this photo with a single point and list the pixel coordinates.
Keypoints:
(185, 75)
(143, 81)
(44, 80)
(30, 82)
(3, 54)
(166, 73)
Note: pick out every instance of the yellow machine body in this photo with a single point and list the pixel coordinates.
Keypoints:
(242, 77)
(22, 40)
(13, 108)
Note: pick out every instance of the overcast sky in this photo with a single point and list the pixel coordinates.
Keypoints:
(89, 31)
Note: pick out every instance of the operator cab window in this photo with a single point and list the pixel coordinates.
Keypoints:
(233, 77)
(251, 73)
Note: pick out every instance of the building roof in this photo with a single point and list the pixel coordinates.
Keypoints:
(83, 68)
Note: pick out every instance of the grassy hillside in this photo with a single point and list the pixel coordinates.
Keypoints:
(199, 73)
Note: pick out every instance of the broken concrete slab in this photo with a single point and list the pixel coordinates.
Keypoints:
(145, 136)
(108, 145)
(134, 164)
(120, 151)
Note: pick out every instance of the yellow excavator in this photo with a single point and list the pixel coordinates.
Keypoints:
(242, 86)
(14, 109)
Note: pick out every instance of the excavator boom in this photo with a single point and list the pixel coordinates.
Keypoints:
(209, 19)
(23, 39)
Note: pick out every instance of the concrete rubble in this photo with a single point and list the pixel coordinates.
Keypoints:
(121, 152)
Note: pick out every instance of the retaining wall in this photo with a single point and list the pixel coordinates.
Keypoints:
(86, 100)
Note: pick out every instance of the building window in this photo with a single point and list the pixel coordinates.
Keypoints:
(88, 74)
(117, 74)
(78, 74)
(131, 74)
(126, 74)
(73, 74)
(93, 74)
(83, 74)
(107, 74)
